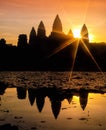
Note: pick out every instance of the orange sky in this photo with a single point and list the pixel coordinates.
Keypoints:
(18, 16)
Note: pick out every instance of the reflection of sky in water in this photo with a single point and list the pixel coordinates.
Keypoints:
(71, 115)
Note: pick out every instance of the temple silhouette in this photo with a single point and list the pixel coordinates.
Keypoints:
(58, 51)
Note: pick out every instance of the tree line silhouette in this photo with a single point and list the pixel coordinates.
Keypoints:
(55, 52)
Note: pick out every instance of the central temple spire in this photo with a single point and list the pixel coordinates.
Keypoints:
(57, 25)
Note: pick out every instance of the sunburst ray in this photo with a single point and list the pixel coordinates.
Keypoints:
(61, 47)
(92, 57)
(74, 58)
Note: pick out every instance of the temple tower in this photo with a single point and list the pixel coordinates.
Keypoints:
(32, 36)
(70, 34)
(84, 34)
(57, 25)
(22, 40)
(41, 32)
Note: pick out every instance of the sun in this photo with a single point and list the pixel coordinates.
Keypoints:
(76, 33)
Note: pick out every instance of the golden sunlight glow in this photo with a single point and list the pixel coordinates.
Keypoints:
(91, 37)
(76, 33)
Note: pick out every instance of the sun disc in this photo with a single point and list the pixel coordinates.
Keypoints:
(76, 33)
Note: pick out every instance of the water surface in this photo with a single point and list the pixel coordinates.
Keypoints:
(48, 101)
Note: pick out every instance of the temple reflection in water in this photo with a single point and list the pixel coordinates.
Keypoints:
(56, 96)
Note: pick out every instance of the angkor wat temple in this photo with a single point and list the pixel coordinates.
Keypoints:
(57, 51)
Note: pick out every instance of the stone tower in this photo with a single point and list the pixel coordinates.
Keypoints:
(84, 34)
(22, 40)
(57, 25)
(32, 36)
(41, 32)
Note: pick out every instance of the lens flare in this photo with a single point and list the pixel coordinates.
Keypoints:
(62, 46)
(90, 54)
(74, 58)
(76, 42)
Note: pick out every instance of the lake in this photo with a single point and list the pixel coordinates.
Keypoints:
(52, 100)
